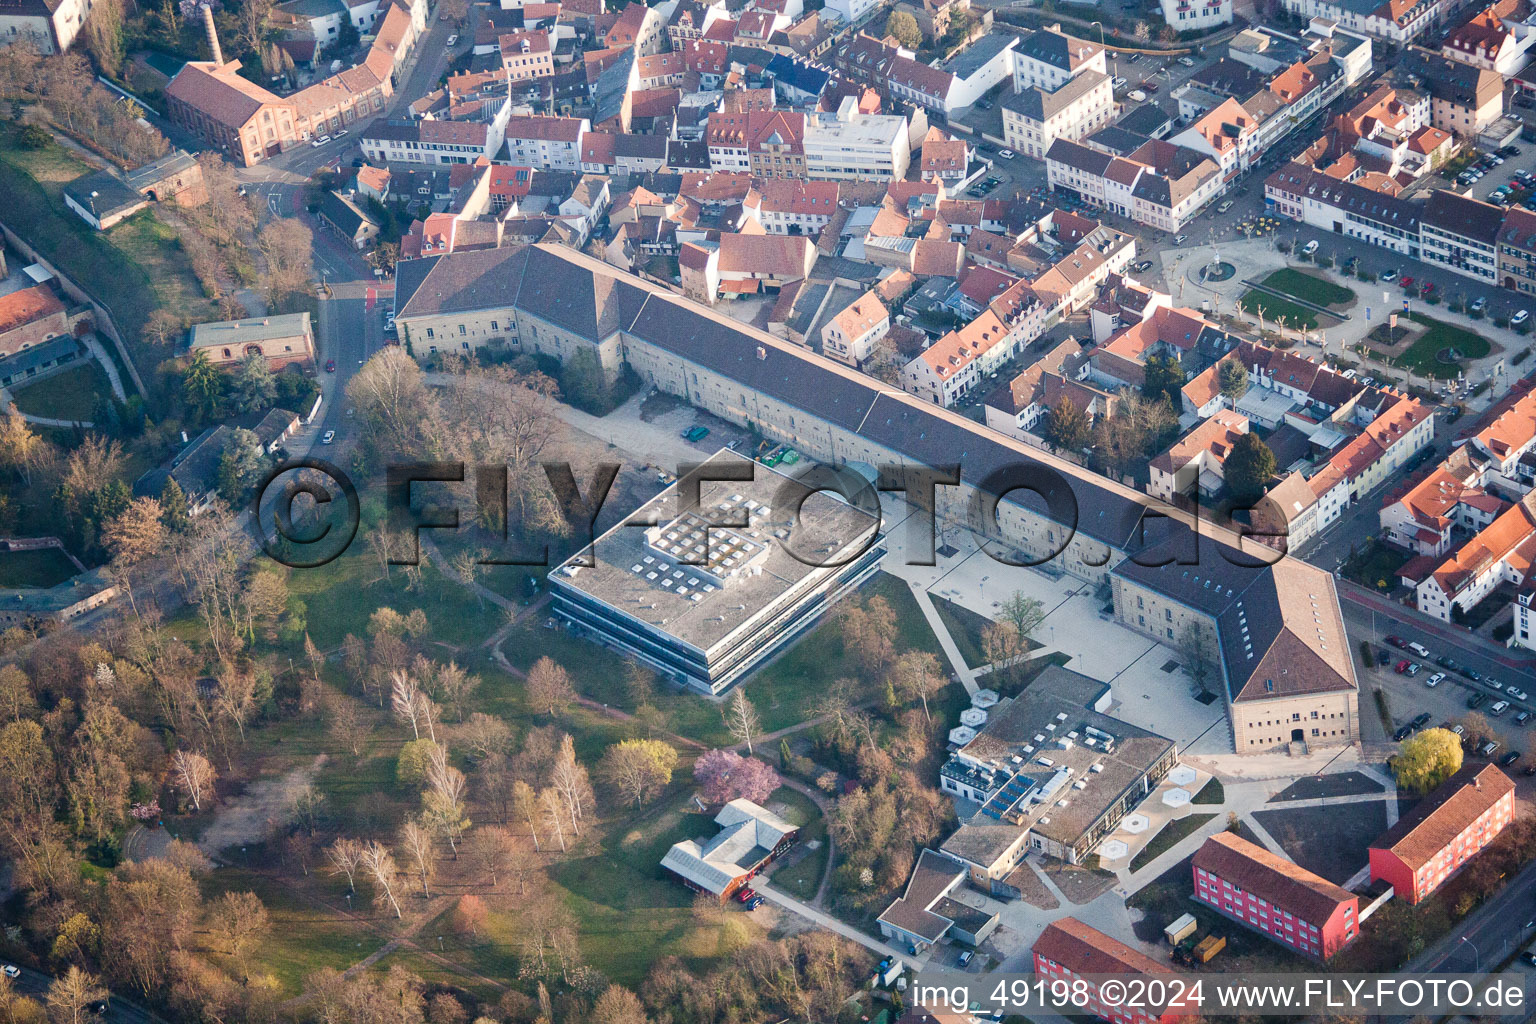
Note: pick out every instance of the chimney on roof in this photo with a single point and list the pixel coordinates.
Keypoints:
(213, 35)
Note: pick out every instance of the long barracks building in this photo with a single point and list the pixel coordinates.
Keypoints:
(1278, 633)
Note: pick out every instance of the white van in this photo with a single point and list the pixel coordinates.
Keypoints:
(1137, 95)
(1419, 649)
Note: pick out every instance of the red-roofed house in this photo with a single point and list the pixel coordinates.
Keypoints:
(1068, 951)
(1443, 831)
(30, 316)
(1421, 519)
(945, 158)
(1196, 459)
(1502, 552)
(1272, 896)
(852, 334)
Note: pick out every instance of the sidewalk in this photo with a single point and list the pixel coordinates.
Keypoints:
(1356, 594)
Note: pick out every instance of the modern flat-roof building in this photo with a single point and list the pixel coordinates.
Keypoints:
(749, 839)
(1444, 831)
(1070, 951)
(925, 914)
(705, 602)
(1274, 897)
(552, 300)
(1052, 773)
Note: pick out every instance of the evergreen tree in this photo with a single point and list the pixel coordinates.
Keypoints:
(253, 388)
(202, 386)
(1066, 426)
(173, 506)
(1164, 377)
(1249, 468)
(1232, 379)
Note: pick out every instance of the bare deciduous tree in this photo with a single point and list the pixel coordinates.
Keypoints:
(195, 776)
(571, 781)
(380, 865)
(417, 844)
(549, 687)
(741, 718)
(346, 858)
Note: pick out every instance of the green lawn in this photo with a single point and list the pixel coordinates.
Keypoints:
(802, 878)
(303, 937)
(785, 689)
(1169, 837)
(965, 629)
(628, 912)
(1274, 307)
(132, 269)
(1308, 287)
(67, 395)
(1211, 793)
(41, 568)
(1420, 356)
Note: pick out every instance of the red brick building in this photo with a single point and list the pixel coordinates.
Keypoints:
(1444, 831)
(1069, 949)
(1272, 896)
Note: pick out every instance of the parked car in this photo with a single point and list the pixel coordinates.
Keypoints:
(340, 132)
(745, 893)
(1420, 720)
(1225, 206)
(322, 140)
(1397, 641)
(1514, 693)
(1402, 667)
(1419, 649)
(1528, 956)
(754, 902)
(1413, 668)
(453, 40)
(11, 971)
(1493, 684)
(1519, 318)
(1310, 247)
(1487, 749)
(1499, 707)
(1473, 674)
(1476, 701)
(1149, 85)
(1446, 662)
(1143, 266)
(1388, 276)
(965, 957)
(1403, 732)
(1479, 304)
(1180, 239)
(1435, 680)
(1007, 154)
(329, 437)
(1186, 62)
(1521, 717)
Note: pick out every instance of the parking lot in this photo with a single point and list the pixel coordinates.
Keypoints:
(1409, 696)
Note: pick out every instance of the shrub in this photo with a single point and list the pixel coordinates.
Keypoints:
(1366, 655)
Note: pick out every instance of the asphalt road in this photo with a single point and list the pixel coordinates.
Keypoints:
(119, 1010)
(1374, 618)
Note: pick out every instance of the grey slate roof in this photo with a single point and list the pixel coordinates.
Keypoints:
(1039, 105)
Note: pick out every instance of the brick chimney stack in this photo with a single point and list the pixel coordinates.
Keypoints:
(213, 35)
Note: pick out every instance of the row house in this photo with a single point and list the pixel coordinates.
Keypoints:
(851, 334)
(1308, 195)
(1159, 184)
(1047, 60)
(1284, 902)
(1229, 135)
(1502, 445)
(796, 207)
(1019, 406)
(1421, 519)
(641, 28)
(1398, 22)
(544, 143)
(945, 159)
(1171, 332)
(1443, 832)
(1517, 251)
(1500, 553)
(1071, 953)
(1497, 38)
(690, 19)
(433, 141)
(1196, 15)
(1461, 234)
(952, 366)
(1035, 118)
(526, 54)
(1463, 99)
(740, 264)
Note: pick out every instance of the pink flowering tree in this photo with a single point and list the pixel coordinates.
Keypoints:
(724, 775)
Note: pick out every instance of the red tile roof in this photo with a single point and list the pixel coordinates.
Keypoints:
(1444, 814)
(1271, 877)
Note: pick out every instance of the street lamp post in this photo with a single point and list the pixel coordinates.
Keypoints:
(1101, 30)
(1477, 958)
